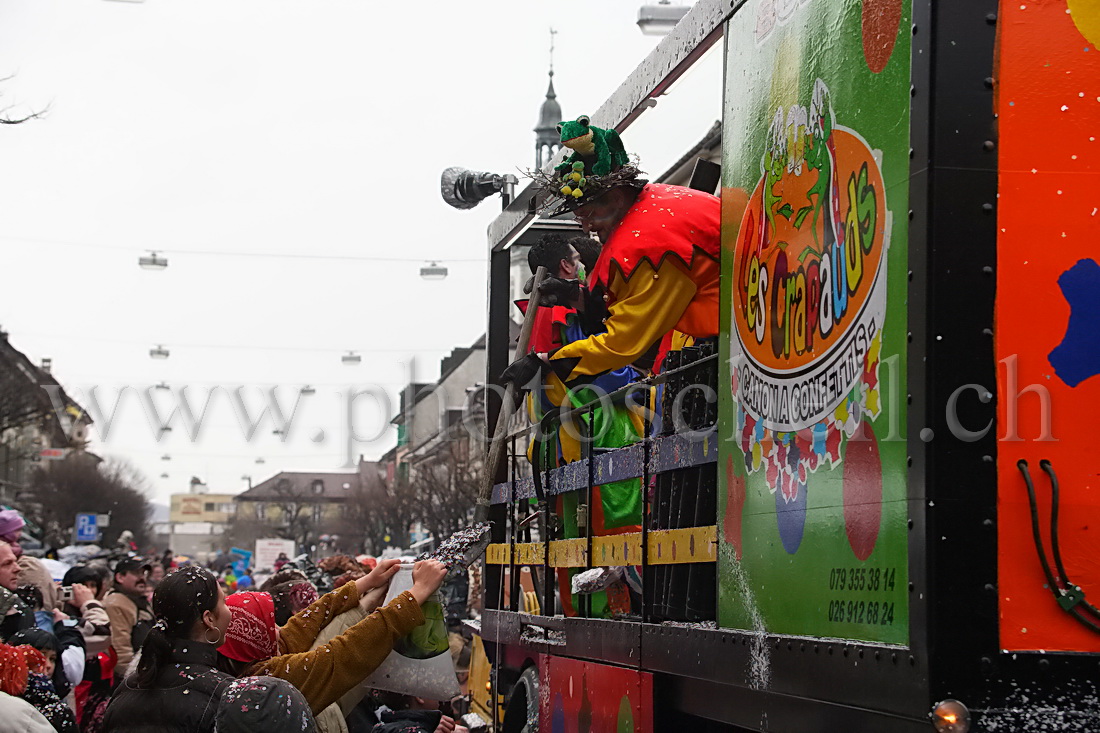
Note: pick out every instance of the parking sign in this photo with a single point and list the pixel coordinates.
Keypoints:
(86, 530)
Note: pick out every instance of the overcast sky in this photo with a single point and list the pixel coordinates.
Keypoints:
(312, 129)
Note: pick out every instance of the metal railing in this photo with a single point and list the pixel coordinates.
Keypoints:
(679, 444)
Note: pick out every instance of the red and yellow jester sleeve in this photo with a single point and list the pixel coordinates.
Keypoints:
(660, 270)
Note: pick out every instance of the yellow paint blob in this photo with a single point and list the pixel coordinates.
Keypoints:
(1086, 16)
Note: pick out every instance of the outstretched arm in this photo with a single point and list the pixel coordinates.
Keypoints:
(326, 673)
(650, 305)
(302, 629)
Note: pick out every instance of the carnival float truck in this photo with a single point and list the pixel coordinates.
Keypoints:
(887, 517)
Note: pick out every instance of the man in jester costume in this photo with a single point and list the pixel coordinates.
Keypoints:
(657, 274)
(617, 506)
(658, 270)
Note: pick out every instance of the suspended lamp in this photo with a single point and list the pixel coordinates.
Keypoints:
(153, 261)
(659, 19)
(433, 271)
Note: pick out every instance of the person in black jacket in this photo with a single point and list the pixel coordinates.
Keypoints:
(409, 714)
(176, 685)
(266, 704)
(14, 614)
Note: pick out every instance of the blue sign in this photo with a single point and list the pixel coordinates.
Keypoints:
(244, 562)
(86, 530)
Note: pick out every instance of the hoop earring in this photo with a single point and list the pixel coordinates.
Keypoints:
(217, 640)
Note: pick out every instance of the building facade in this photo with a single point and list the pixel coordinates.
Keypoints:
(324, 513)
(198, 521)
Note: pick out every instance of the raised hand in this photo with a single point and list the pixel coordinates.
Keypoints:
(428, 575)
(379, 577)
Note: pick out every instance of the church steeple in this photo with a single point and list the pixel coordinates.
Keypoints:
(547, 140)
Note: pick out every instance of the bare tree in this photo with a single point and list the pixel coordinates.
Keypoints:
(6, 117)
(444, 487)
(439, 493)
(83, 484)
(243, 531)
(379, 512)
(294, 506)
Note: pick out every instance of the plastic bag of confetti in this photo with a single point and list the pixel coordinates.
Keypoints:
(420, 663)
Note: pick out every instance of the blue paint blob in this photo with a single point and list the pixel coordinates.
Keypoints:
(557, 716)
(1078, 356)
(791, 519)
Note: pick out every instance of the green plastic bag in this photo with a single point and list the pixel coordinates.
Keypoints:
(420, 663)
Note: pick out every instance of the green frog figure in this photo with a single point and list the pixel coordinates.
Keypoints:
(589, 142)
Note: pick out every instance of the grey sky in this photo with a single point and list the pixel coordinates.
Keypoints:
(300, 127)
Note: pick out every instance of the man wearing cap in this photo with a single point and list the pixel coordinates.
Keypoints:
(128, 609)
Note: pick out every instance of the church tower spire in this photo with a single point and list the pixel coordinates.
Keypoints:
(547, 140)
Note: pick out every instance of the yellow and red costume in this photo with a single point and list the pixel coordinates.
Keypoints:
(616, 507)
(660, 272)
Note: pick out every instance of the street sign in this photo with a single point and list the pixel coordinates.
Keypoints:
(86, 529)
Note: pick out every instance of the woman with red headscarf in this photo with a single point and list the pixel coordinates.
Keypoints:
(255, 645)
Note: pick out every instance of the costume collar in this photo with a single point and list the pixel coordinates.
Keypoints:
(665, 221)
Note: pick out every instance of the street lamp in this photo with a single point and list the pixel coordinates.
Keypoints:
(433, 271)
(351, 358)
(308, 390)
(166, 457)
(152, 261)
(159, 352)
(659, 19)
(164, 475)
(162, 386)
(260, 460)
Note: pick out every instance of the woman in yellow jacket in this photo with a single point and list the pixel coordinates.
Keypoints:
(255, 645)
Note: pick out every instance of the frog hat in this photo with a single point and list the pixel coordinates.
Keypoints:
(598, 164)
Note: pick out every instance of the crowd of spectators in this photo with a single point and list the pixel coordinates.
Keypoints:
(128, 644)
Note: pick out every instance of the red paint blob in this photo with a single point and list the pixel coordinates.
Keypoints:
(862, 493)
(879, 25)
(735, 504)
